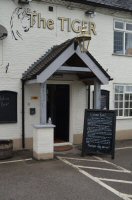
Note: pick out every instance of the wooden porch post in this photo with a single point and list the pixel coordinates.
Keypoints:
(43, 103)
(43, 132)
(97, 94)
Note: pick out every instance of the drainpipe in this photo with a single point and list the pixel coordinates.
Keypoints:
(23, 115)
(88, 96)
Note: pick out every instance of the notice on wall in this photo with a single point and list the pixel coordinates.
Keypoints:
(99, 132)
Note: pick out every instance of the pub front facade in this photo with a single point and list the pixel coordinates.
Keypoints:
(46, 78)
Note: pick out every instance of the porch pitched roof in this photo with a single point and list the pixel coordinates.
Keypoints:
(42, 63)
(50, 56)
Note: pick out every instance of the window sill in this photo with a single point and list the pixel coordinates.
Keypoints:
(125, 118)
(125, 55)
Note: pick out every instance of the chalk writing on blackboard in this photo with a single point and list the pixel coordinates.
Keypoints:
(4, 101)
(99, 132)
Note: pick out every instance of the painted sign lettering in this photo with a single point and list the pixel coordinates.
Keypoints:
(23, 19)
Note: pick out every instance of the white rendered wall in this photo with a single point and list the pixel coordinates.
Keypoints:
(78, 106)
(30, 120)
(21, 53)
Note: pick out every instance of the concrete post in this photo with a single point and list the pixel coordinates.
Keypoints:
(43, 139)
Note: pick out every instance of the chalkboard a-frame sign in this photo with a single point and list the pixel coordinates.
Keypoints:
(99, 132)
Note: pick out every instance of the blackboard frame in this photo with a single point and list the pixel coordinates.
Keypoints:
(85, 149)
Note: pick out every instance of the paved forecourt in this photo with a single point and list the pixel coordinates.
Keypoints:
(106, 172)
(30, 179)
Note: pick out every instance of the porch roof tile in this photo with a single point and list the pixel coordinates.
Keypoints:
(37, 67)
(124, 5)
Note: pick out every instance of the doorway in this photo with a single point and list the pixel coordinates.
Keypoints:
(58, 110)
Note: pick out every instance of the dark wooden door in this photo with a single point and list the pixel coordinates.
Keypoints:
(58, 110)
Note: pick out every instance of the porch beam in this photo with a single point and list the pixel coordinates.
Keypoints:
(87, 79)
(97, 94)
(74, 69)
(56, 64)
(94, 68)
(43, 103)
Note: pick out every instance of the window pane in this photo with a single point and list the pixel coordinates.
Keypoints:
(130, 104)
(116, 89)
(116, 112)
(128, 43)
(118, 42)
(120, 112)
(120, 104)
(130, 96)
(120, 97)
(116, 104)
(127, 104)
(119, 89)
(116, 97)
(131, 112)
(129, 27)
(129, 89)
(126, 96)
(126, 113)
(119, 25)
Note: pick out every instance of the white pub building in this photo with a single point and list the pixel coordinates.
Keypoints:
(48, 78)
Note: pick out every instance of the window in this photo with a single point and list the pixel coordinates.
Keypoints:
(122, 37)
(123, 100)
(104, 99)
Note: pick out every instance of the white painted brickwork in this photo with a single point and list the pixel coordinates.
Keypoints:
(21, 53)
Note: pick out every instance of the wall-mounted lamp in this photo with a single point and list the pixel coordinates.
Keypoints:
(83, 39)
(90, 13)
(24, 1)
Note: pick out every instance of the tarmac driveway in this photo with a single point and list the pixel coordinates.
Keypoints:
(66, 178)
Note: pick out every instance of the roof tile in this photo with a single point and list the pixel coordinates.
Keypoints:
(115, 4)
